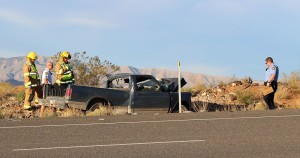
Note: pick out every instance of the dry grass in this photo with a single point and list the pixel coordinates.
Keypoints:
(260, 106)
(70, 112)
(102, 110)
(293, 81)
(8, 112)
(13, 108)
(20, 96)
(1, 115)
(199, 88)
(201, 106)
(189, 90)
(291, 106)
(221, 83)
(247, 97)
(282, 94)
(49, 112)
(5, 89)
(298, 103)
(13, 112)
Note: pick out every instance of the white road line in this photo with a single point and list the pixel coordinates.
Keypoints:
(141, 122)
(110, 145)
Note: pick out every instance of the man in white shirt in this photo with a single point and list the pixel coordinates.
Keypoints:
(47, 75)
(46, 80)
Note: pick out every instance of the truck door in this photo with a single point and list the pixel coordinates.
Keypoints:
(149, 96)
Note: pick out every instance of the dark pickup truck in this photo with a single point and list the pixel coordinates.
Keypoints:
(125, 93)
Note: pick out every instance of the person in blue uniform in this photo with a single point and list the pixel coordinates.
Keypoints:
(272, 74)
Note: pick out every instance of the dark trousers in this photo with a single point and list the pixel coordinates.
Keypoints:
(269, 99)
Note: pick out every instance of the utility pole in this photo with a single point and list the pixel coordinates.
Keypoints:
(179, 87)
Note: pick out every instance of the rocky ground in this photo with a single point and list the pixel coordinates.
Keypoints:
(11, 108)
(243, 95)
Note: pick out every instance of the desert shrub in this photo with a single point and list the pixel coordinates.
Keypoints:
(102, 110)
(199, 88)
(195, 90)
(210, 86)
(20, 96)
(5, 88)
(293, 81)
(283, 94)
(246, 97)
(222, 83)
(190, 90)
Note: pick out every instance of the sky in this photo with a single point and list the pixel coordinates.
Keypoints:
(213, 37)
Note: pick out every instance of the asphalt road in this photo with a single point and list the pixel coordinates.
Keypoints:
(258, 134)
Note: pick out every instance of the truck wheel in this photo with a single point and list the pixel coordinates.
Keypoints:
(95, 106)
(101, 110)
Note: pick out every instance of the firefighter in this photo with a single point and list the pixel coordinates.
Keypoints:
(31, 81)
(64, 71)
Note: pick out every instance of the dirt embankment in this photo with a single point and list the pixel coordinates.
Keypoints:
(244, 95)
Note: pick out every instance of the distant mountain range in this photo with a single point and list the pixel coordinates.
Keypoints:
(11, 71)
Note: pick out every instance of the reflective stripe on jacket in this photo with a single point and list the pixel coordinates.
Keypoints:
(66, 73)
(31, 76)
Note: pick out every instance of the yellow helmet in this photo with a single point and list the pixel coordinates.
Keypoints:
(32, 55)
(65, 54)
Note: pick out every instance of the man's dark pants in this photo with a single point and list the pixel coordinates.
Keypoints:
(269, 99)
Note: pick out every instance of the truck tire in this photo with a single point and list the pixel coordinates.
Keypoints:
(95, 106)
(103, 109)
